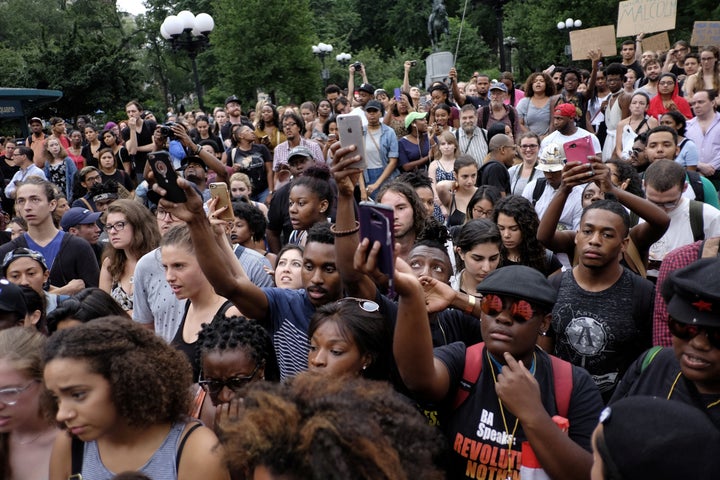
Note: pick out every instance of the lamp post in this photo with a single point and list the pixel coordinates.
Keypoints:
(568, 26)
(322, 50)
(343, 59)
(510, 43)
(188, 32)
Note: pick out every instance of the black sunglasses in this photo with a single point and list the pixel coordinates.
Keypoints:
(235, 384)
(685, 331)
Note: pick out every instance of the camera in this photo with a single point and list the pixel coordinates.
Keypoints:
(413, 63)
(166, 130)
(357, 66)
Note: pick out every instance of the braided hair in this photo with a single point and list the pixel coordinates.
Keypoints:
(237, 332)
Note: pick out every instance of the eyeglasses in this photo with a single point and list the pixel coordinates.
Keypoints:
(529, 147)
(520, 310)
(162, 214)
(117, 226)
(289, 125)
(11, 396)
(667, 205)
(366, 305)
(636, 151)
(685, 331)
(96, 179)
(234, 384)
(480, 212)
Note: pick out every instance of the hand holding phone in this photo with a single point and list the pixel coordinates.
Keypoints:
(579, 150)
(220, 191)
(351, 133)
(166, 176)
(377, 224)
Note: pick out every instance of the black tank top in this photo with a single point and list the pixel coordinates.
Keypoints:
(189, 348)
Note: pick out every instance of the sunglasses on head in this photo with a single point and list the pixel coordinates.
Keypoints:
(366, 305)
(520, 310)
(685, 331)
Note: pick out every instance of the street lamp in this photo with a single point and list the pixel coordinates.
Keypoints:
(343, 59)
(568, 26)
(188, 32)
(510, 43)
(322, 50)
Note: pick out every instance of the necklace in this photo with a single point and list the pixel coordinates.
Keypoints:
(510, 436)
(28, 442)
(672, 389)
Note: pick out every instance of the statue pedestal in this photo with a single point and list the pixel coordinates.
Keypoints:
(438, 66)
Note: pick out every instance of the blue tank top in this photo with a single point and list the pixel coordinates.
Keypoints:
(161, 466)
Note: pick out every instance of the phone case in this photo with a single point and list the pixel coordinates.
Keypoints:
(377, 222)
(351, 133)
(579, 150)
(166, 176)
(220, 191)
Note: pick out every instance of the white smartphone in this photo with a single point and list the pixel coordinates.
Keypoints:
(351, 133)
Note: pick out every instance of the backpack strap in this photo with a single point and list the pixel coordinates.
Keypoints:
(696, 220)
(471, 373)
(696, 183)
(563, 383)
(539, 189)
(77, 449)
(633, 254)
(182, 444)
(649, 357)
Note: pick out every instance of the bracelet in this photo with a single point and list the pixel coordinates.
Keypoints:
(471, 304)
(345, 233)
(198, 150)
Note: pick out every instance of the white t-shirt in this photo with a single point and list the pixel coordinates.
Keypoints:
(679, 232)
(572, 211)
(560, 139)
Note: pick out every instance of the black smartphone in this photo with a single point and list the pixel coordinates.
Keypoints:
(166, 176)
(377, 222)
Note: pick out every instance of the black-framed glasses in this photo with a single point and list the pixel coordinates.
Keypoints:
(289, 125)
(686, 331)
(366, 305)
(162, 214)
(520, 310)
(480, 212)
(529, 147)
(234, 384)
(117, 226)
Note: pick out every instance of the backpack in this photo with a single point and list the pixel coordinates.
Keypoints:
(486, 117)
(697, 185)
(696, 220)
(562, 379)
(538, 190)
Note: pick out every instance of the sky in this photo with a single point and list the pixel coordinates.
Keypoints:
(131, 6)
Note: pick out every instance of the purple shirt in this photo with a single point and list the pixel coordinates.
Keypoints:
(708, 144)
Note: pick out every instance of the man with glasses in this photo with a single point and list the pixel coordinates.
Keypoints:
(495, 170)
(89, 177)
(688, 372)
(497, 111)
(23, 158)
(690, 221)
(294, 129)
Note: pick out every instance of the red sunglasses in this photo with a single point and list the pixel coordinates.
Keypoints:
(685, 331)
(520, 310)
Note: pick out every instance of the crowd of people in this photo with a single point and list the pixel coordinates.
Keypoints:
(551, 300)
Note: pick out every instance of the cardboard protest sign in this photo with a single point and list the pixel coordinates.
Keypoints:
(645, 16)
(659, 42)
(598, 38)
(705, 33)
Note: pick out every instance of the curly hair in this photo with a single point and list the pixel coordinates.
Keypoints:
(88, 304)
(21, 348)
(549, 84)
(275, 117)
(532, 252)
(238, 333)
(146, 234)
(256, 220)
(149, 379)
(316, 427)
(405, 189)
(295, 118)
